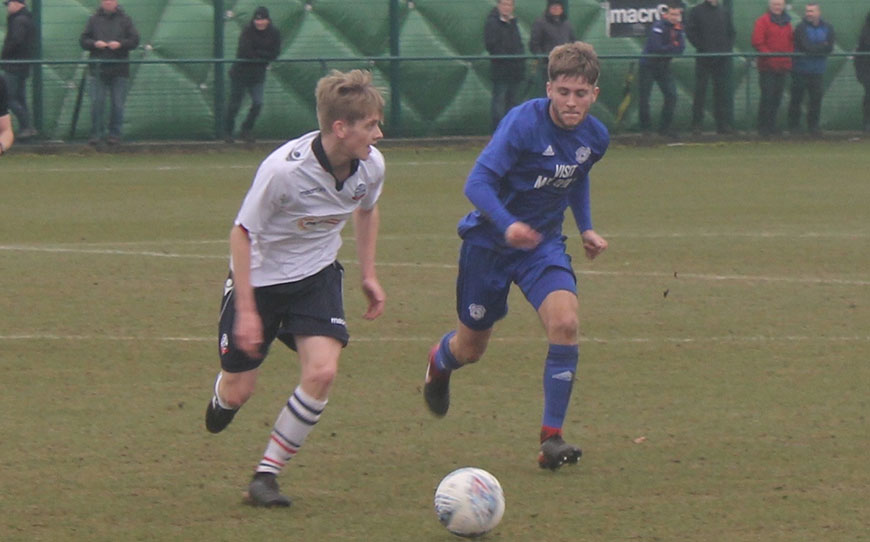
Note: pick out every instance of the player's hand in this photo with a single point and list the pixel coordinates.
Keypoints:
(100, 44)
(521, 235)
(593, 244)
(376, 297)
(114, 45)
(248, 333)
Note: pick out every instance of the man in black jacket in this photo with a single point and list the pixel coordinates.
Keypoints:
(710, 29)
(18, 45)
(502, 37)
(261, 41)
(108, 35)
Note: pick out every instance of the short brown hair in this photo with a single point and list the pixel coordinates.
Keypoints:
(348, 96)
(574, 60)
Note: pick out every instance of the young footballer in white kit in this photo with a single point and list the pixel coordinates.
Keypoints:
(285, 281)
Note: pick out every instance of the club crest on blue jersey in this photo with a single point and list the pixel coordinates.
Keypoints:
(583, 154)
(359, 192)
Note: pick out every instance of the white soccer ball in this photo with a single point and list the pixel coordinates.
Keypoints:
(469, 502)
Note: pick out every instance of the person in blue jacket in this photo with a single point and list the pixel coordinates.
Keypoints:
(535, 166)
(665, 37)
(814, 37)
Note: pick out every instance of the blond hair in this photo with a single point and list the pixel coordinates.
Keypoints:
(574, 60)
(348, 96)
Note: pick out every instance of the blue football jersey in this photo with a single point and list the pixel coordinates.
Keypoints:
(536, 169)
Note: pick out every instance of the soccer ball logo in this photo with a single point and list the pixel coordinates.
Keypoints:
(469, 502)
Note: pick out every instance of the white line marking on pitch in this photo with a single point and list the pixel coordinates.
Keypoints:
(597, 340)
(654, 274)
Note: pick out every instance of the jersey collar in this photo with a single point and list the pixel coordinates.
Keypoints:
(317, 147)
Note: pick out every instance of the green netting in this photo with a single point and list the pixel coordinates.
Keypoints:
(438, 97)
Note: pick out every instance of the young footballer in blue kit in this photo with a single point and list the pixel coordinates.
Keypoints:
(536, 166)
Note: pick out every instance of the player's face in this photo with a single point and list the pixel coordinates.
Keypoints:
(361, 135)
(675, 15)
(261, 24)
(570, 100)
(813, 13)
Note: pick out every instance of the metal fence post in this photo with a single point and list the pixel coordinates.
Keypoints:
(218, 50)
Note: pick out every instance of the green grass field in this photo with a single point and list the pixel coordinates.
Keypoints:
(722, 393)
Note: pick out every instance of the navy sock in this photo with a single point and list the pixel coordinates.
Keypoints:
(559, 371)
(444, 360)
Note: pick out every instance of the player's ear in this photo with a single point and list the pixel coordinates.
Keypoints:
(595, 90)
(339, 128)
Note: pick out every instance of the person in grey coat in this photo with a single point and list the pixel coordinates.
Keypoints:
(552, 28)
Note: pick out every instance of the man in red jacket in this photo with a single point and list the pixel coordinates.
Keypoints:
(772, 34)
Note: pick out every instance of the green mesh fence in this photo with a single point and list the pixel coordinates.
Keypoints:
(442, 74)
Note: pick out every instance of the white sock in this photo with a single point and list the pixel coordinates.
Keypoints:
(217, 395)
(295, 421)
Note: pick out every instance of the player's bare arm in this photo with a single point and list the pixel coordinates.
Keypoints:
(247, 328)
(366, 223)
(593, 243)
(521, 235)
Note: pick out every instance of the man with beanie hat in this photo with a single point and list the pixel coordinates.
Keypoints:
(19, 44)
(260, 41)
(552, 28)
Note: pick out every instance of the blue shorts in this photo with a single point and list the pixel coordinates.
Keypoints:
(485, 277)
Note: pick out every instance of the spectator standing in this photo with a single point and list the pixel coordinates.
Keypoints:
(772, 34)
(862, 69)
(710, 30)
(665, 37)
(19, 44)
(6, 134)
(502, 37)
(109, 35)
(814, 37)
(259, 41)
(552, 28)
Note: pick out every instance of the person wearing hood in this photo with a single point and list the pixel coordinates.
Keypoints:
(772, 34)
(710, 30)
(501, 36)
(259, 41)
(814, 37)
(552, 28)
(19, 44)
(862, 69)
(109, 35)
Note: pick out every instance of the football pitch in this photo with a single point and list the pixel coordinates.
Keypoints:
(722, 393)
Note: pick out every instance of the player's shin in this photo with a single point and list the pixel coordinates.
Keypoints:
(559, 372)
(296, 420)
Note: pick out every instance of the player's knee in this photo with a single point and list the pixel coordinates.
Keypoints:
(563, 327)
(321, 376)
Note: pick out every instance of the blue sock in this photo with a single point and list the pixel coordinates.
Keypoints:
(559, 373)
(444, 360)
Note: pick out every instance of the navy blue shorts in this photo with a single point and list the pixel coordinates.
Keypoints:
(485, 277)
(311, 306)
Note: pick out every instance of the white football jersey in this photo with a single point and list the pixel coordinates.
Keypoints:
(295, 210)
